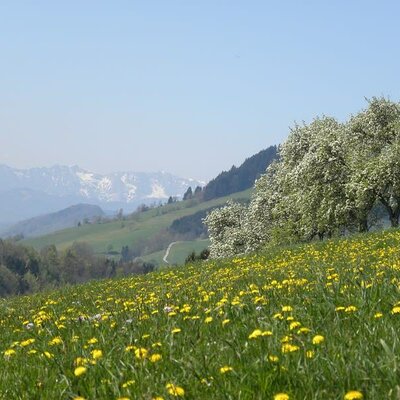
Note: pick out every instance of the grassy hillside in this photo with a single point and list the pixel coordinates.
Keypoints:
(121, 233)
(319, 321)
(178, 252)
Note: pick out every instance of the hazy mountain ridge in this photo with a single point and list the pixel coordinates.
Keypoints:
(26, 193)
(48, 223)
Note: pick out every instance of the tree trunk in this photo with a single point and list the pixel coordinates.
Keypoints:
(363, 225)
(394, 212)
(394, 220)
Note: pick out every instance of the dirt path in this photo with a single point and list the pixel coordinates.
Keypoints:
(165, 258)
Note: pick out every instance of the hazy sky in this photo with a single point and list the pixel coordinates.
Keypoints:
(190, 87)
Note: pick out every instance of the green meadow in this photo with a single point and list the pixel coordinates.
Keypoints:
(315, 321)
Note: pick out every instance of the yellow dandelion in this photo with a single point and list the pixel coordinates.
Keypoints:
(255, 334)
(294, 325)
(80, 371)
(378, 315)
(289, 348)
(141, 353)
(155, 357)
(128, 383)
(175, 390)
(395, 310)
(208, 320)
(225, 369)
(353, 395)
(96, 354)
(281, 396)
(9, 353)
(55, 341)
(27, 342)
(225, 321)
(318, 339)
(176, 330)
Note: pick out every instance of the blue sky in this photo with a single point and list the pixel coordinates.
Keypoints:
(190, 87)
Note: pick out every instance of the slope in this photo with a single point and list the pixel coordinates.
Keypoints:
(142, 227)
(318, 321)
(48, 223)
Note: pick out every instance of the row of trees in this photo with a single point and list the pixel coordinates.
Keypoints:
(330, 179)
(24, 270)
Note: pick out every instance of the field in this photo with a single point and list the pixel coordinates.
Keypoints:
(121, 233)
(178, 252)
(318, 321)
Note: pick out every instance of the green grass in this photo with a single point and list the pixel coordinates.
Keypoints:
(313, 322)
(178, 252)
(121, 233)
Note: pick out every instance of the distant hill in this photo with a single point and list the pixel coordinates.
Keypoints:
(144, 233)
(240, 178)
(49, 223)
(26, 193)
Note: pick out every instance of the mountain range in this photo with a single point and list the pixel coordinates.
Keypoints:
(26, 193)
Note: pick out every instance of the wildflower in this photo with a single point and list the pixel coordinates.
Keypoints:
(155, 357)
(396, 310)
(281, 396)
(92, 341)
(378, 315)
(96, 354)
(128, 383)
(273, 358)
(8, 353)
(318, 339)
(225, 321)
(27, 342)
(141, 353)
(352, 309)
(55, 341)
(224, 370)
(353, 395)
(255, 334)
(294, 325)
(174, 390)
(176, 330)
(310, 354)
(80, 371)
(287, 308)
(208, 320)
(289, 348)
(123, 398)
(79, 398)
(48, 355)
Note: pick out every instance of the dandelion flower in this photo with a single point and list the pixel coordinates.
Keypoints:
(318, 339)
(255, 334)
(224, 370)
(96, 354)
(80, 371)
(281, 396)
(155, 357)
(174, 390)
(353, 395)
(141, 353)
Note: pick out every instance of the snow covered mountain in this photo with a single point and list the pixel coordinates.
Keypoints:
(26, 193)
